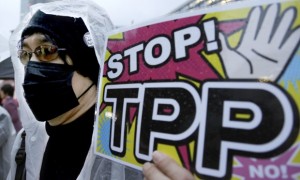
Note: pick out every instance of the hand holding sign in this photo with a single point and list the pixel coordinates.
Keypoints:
(266, 46)
(165, 167)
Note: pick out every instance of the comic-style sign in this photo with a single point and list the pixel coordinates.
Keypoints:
(216, 89)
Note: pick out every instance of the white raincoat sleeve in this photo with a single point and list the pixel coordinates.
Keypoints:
(98, 24)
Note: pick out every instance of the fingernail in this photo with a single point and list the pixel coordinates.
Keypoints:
(146, 166)
(157, 156)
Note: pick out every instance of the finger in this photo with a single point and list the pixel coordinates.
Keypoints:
(291, 43)
(283, 27)
(252, 25)
(152, 173)
(266, 30)
(169, 167)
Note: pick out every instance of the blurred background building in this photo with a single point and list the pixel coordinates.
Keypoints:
(192, 5)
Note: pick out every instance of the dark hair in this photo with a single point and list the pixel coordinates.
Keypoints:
(67, 32)
(8, 89)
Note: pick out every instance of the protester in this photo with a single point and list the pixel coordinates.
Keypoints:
(58, 78)
(7, 137)
(11, 105)
(57, 75)
(61, 74)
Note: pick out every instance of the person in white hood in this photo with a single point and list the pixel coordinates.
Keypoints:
(55, 53)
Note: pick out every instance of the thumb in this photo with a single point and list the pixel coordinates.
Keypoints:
(170, 168)
(224, 43)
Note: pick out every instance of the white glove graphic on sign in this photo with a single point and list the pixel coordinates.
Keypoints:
(266, 46)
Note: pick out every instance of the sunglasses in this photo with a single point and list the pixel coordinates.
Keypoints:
(43, 53)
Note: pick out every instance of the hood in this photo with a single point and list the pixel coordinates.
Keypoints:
(95, 19)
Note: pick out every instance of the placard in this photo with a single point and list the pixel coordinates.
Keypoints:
(217, 89)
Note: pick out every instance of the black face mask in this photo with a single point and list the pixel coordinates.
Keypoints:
(48, 89)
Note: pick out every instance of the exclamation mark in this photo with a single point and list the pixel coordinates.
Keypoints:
(284, 172)
(210, 32)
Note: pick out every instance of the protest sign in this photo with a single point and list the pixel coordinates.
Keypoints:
(216, 89)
